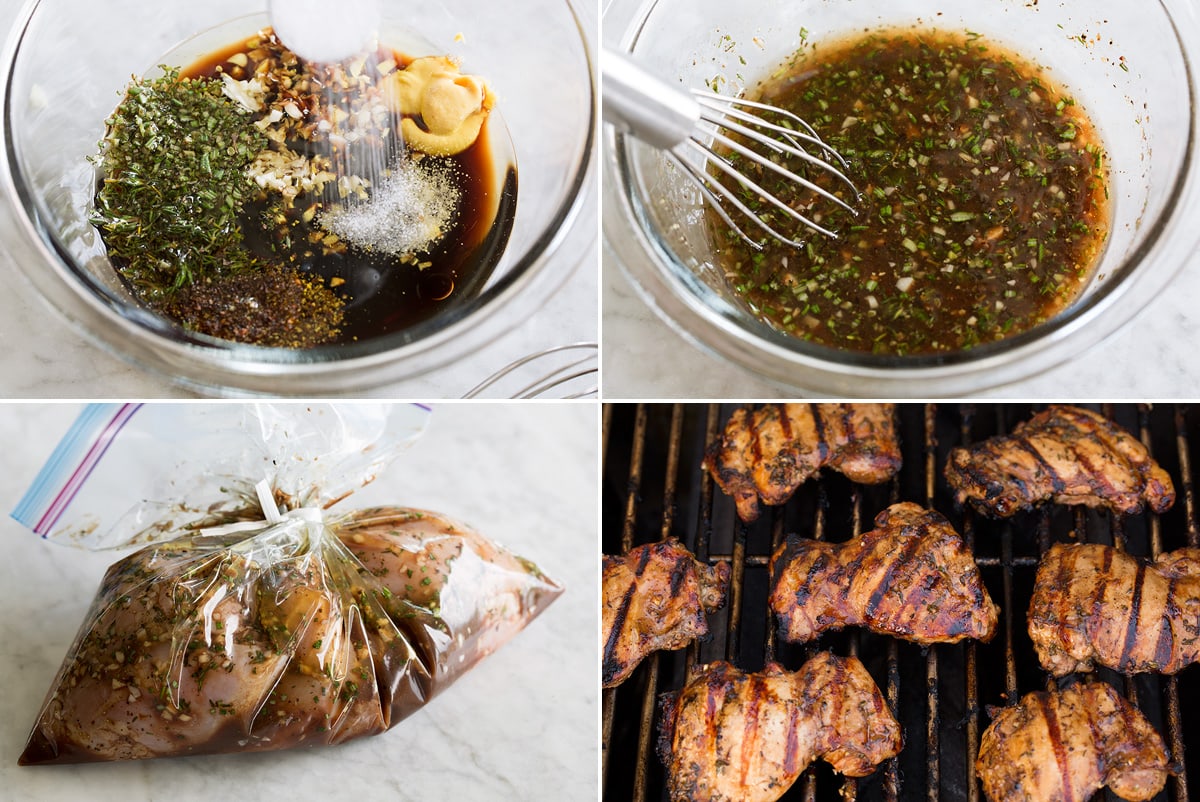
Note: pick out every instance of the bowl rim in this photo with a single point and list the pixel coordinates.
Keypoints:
(204, 362)
(714, 325)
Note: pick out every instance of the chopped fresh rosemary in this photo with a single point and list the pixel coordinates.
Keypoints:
(174, 165)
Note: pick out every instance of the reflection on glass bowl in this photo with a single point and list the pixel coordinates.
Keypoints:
(65, 67)
(1133, 69)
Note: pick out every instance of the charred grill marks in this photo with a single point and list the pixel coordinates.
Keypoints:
(1088, 733)
(1065, 454)
(1056, 745)
(1135, 609)
(678, 574)
(754, 697)
(1056, 481)
(791, 755)
(1093, 604)
(915, 593)
(611, 667)
(655, 598)
(911, 577)
(756, 453)
(1166, 637)
(785, 422)
(763, 455)
(735, 735)
(819, 426)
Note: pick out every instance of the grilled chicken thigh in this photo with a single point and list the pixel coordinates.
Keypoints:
(655, 597)
(1063, 454)
(1069, 744)
(1093, 604)
(770, 452)
(911, 577)
(729, 735)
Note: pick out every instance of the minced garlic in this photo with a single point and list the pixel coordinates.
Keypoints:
(289, 173)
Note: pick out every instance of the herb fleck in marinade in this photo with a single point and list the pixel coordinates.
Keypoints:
(984, 199)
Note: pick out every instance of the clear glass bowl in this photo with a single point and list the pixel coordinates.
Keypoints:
(64, 69)
(1135, 72)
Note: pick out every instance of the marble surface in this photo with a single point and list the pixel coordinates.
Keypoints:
(49, 357)
(521, 725)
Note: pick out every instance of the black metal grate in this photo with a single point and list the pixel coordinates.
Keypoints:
(653, 488)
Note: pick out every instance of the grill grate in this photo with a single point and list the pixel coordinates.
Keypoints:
(653, 487)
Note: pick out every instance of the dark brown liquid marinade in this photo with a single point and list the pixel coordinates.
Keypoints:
(382, 295)
(984, 198)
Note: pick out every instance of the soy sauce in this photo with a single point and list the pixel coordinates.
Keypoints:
(382, 295)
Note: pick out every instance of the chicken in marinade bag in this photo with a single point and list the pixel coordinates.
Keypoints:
(271, 624)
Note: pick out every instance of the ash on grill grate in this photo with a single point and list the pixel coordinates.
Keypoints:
(653, 487)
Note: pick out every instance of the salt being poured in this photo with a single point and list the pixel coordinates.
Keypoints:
(310, 29)
(406, 213)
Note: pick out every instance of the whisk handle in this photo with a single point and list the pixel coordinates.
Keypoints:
(649, 108)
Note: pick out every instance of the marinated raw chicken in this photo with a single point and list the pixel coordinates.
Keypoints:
(1095, 605)
(768, 453)
(728, 735)
(219, 644)
(911, 577)
(481, 594)
(1063, 454)
(655, 597)
(1066, 745)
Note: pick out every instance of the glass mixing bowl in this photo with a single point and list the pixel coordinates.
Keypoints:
(1132, 66)
(65, 66)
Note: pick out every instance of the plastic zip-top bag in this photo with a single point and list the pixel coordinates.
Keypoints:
(257, 614)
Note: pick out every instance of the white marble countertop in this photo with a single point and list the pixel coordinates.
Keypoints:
(521, 725)
(47, 356)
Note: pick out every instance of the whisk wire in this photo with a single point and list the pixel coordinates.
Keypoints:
(537, 389)
(777, 168)
(704, 133)
(792, 146)
(728, 169)
(718, 194)
(560, 376)
(723, 102)
(701, 180)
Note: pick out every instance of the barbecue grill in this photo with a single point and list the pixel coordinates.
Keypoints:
(653, 488)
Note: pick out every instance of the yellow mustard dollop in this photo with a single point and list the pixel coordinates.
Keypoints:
(450, 105)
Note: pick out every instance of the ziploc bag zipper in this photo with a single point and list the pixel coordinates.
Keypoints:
(72, 462)
(152, 455)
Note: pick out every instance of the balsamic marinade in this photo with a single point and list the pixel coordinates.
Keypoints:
(984, 201)
(320, 223)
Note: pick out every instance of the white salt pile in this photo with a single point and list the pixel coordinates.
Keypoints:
(407, 212)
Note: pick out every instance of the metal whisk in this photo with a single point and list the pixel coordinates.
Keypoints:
(686, 124)
(564, 371)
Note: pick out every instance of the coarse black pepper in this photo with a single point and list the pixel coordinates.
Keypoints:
(274, 307)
